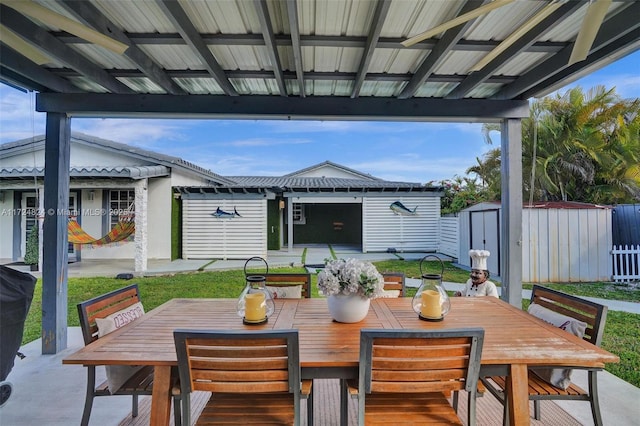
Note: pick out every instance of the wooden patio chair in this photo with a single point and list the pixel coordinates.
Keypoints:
(141, 382)
(594, 315)
(254, 377)
(394, 281)
(407, 375)
(289, 285)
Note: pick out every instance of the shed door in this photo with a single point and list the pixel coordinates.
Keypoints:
(485, 235)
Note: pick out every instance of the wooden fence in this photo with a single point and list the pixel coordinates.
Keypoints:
(626, 263)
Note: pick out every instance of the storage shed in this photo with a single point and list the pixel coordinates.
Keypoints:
(561, 241)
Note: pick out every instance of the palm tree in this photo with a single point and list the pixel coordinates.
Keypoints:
(575, 146)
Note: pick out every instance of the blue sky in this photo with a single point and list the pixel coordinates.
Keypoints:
(410, 152)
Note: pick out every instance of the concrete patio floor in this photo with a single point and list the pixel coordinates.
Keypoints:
(46, 392)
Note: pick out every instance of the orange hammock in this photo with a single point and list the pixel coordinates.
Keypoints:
(120, 232)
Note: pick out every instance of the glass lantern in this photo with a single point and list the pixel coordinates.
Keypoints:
(255, 304)
(431, 301)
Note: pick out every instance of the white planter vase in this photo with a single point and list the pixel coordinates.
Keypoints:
(348, 308)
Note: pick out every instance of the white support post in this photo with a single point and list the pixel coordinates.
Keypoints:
(290, 224)
(511, 225)
(141, 222)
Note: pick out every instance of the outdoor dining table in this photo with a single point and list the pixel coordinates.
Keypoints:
(514, 340)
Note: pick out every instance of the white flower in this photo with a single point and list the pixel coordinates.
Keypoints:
(350, 276)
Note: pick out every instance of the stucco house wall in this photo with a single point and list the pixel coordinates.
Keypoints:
(97, 166)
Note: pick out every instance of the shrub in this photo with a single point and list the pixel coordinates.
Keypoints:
(32, 250)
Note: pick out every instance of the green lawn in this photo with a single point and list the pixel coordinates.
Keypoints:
(621, 337)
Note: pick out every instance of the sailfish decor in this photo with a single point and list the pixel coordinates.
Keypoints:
(221, 214)
(398, 208)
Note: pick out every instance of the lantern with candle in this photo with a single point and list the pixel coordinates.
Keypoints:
(255, 304)
(431, 301)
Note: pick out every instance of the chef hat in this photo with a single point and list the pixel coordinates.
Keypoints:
(479, 259)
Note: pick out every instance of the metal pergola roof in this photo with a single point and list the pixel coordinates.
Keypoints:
(299, 59)
(312, 58)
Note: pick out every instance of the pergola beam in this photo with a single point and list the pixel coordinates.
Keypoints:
(54, 48)
(278, 107)
(290, 75)
(610, 31)
(88, 13)
(439, 52)
(191, 36)
(315, 41)
(23, 67)
(272, 49)
(294, 29)
(380, 14)
(521, 45)
(558, 80)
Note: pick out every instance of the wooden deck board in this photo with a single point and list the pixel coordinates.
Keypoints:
(326, 410)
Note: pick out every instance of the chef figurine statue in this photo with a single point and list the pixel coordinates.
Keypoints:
(479, 284)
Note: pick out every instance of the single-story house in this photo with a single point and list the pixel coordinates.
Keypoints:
(195, 213)
(108, 181)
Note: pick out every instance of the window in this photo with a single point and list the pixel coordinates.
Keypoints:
(121, 204)
(298, 214)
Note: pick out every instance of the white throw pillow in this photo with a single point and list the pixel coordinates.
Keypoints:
(558, 377)
(285, 292)
(117, 375)
(390, 294)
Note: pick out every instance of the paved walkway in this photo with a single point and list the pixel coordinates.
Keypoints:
(613, 305)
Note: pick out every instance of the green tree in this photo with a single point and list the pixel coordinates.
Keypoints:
(459, 193)
(576, 146)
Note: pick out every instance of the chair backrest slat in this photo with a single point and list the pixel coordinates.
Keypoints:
(394, 281)
(419, 360)
(103, 306)
(593, 314)
(239, 362)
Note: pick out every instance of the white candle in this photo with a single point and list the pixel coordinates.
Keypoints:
(255, 307)
(431, 304)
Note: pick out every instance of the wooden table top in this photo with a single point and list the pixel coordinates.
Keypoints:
(511, 335)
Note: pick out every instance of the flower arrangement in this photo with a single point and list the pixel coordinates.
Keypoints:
(350, 276)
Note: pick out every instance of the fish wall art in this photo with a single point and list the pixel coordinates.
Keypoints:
(221, 214)
(400, 209)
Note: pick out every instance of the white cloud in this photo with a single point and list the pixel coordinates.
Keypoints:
(303, 126)
(142, 133)
(18, 118)
(627, 85)
(414, 168)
